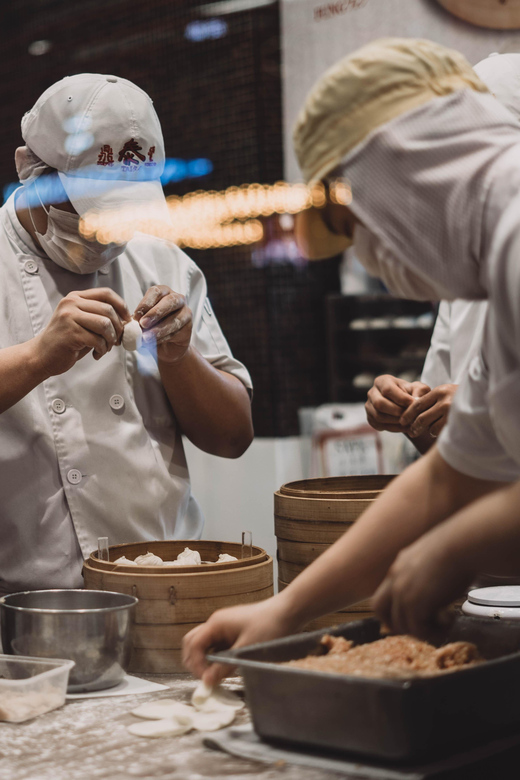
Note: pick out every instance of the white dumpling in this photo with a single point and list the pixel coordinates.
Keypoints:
(132, 336)
(159, 728)
(224, 558)
(188, 558)
(148, 560)
(165, 708)
(217, 699)
(122, 561)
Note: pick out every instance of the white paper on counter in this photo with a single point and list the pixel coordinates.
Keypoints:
(128, 685)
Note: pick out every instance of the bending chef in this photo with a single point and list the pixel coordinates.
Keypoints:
(433, 163)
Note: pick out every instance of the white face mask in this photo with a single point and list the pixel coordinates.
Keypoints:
(400, 280)
(64, 244)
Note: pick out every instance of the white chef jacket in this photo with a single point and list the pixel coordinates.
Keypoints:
(95, 451)
(456, 338)
(455, 357)
(482, 436)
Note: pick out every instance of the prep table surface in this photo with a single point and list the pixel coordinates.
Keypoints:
(87, 739)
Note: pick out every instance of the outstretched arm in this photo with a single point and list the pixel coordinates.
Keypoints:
(429, 574)
(425, 494)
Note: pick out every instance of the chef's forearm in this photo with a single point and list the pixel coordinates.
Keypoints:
(423, 442)
(20, 372)
(423, 496)
(212, 407)
(485, 536)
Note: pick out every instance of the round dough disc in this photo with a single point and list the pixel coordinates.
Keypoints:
(159, 728)
(165, 708)
(217, 699)
(213, 721)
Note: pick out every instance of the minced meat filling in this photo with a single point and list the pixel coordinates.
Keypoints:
(393, 656)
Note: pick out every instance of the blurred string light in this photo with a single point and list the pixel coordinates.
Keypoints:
(205, 30)
(51, 190)
(176, 169)
(38, 48)
(210, 219)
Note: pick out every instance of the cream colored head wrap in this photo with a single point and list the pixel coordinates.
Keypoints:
(363, 91)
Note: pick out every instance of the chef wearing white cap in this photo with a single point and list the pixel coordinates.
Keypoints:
(433, 163)
(420, 409)
(93, 448)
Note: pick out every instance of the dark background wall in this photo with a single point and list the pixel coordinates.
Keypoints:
(218, 99)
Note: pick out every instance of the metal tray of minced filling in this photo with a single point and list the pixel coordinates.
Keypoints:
(463, 693)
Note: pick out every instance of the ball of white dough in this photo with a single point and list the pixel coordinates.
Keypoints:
(132, 336)
(148, 560)
(124, 561)
(188, 558)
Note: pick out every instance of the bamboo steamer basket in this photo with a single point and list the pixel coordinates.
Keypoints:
(493, 14)
(312, 514)
(364, 486)
(174, 599)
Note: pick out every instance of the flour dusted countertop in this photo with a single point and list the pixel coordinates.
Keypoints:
(87, 739)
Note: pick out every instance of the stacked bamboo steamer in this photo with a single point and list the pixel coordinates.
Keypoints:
(175, 599)
(312, 514)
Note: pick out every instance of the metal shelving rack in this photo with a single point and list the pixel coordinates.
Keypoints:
(386, 345)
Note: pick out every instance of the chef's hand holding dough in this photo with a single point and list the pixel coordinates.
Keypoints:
(167, 321)
(233, 627)
(82, 321)
(429, 413)
(389, 399)
(212, 407)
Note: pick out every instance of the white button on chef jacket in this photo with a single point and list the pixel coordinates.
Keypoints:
(116, 402)
(31, 267)
(93, 472)
(58, 406)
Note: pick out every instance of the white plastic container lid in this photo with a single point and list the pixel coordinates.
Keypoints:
(497, 596)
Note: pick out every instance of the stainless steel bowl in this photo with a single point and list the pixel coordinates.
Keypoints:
(91, 627)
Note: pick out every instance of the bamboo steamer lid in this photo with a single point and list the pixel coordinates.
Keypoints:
(363, 486)
(174, 599)
(332, 510)
(320, 510)
(493, 14)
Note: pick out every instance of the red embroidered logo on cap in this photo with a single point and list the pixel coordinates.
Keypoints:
(106, 156)
(151, 152)
(126, 154)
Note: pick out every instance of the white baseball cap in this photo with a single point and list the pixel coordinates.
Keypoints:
(103, 136)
